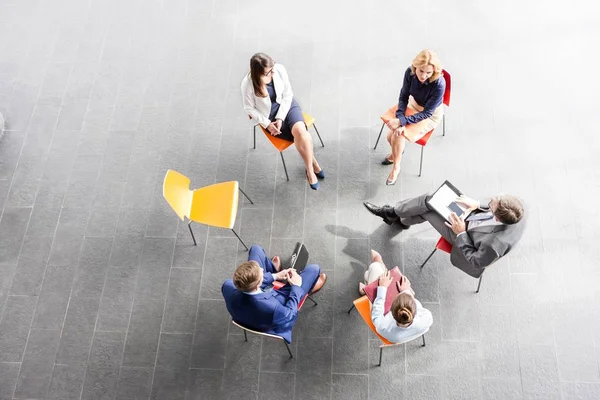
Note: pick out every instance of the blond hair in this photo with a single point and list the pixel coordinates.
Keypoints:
(247, 276)
(424, 58)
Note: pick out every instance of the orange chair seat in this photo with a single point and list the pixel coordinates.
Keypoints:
(282, 144)
(391, 114)
(363, 306)
(279, 144)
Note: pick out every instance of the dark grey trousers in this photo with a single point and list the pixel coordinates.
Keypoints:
(415, 211)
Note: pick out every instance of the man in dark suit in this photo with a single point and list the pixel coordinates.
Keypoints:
(487, 234)
(275, 311)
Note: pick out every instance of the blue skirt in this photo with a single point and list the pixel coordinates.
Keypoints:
(292, 117)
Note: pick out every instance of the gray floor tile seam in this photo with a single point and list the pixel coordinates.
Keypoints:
(162, 320)
(97, 317)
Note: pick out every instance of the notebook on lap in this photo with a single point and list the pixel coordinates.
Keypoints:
(392, 291)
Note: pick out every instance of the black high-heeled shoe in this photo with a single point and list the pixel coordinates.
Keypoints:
(320, 174)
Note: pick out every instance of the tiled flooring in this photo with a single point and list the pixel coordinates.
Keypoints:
(103, 295)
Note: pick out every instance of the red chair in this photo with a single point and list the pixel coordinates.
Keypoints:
(391, 114)
(281, 144)
(445, 246)
(276, 285)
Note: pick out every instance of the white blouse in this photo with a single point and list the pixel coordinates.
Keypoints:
(259, 108)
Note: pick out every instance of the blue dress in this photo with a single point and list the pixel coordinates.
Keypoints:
(294, 114)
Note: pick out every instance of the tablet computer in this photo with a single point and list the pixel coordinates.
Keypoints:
(444, 202)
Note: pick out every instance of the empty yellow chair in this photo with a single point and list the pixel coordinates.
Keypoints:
(214, 205)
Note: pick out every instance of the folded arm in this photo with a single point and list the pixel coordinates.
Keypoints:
(378, 307)
(478, 257)
(249, 101)
(285, 313)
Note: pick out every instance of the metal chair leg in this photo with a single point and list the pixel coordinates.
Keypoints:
(316, 130)
(288, 349)
(351, 308)
(444, 125)
(380, 355)
(378, 137)
(255, 136)
(479, 284)
(421, 163)
(192, 232)
(313, 300)
(240, 239)
(434, 250)
(423, 340)
(284, 167)
(245, 195)
(245, 335)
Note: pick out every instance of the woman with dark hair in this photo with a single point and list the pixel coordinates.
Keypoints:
(407, 319)
(269, 101)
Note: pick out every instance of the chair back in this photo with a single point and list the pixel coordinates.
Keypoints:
(363, 306)
(176, 191)
(256, 332)
(279, 144)
(448, 80)
(215, 205)
(443, 245)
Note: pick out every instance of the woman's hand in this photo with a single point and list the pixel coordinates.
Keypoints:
(393, 124)
(278, 123)
(273, 130)
(385, 279)
(398, 132)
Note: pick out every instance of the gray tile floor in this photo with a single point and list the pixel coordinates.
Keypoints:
(103, 295)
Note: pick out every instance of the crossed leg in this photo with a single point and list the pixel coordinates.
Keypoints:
(304, 145)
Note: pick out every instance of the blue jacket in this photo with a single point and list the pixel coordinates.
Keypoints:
(269, 312)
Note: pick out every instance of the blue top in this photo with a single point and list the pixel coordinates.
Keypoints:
(429, 95)
(274, 103)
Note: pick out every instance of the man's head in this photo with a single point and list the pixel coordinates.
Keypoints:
(248, 276)
(507, 209)
(404, 309)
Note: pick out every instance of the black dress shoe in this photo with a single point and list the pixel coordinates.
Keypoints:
(386, 212)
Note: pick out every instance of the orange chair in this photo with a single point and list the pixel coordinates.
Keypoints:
(445, 246)
(391, 114)
(363, 306)
(281, 144)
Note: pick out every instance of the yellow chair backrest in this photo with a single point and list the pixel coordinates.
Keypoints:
(215, 205)
(176, 190)
(363, 306)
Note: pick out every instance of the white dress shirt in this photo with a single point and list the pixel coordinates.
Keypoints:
(386, 324)
(259, 108)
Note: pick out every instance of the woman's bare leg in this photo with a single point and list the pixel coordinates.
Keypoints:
(304, 144)
(398, 145)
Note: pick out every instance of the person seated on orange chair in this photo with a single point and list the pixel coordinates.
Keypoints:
(270, 311)
(407, 317)
(422, 94)
(269, 101)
